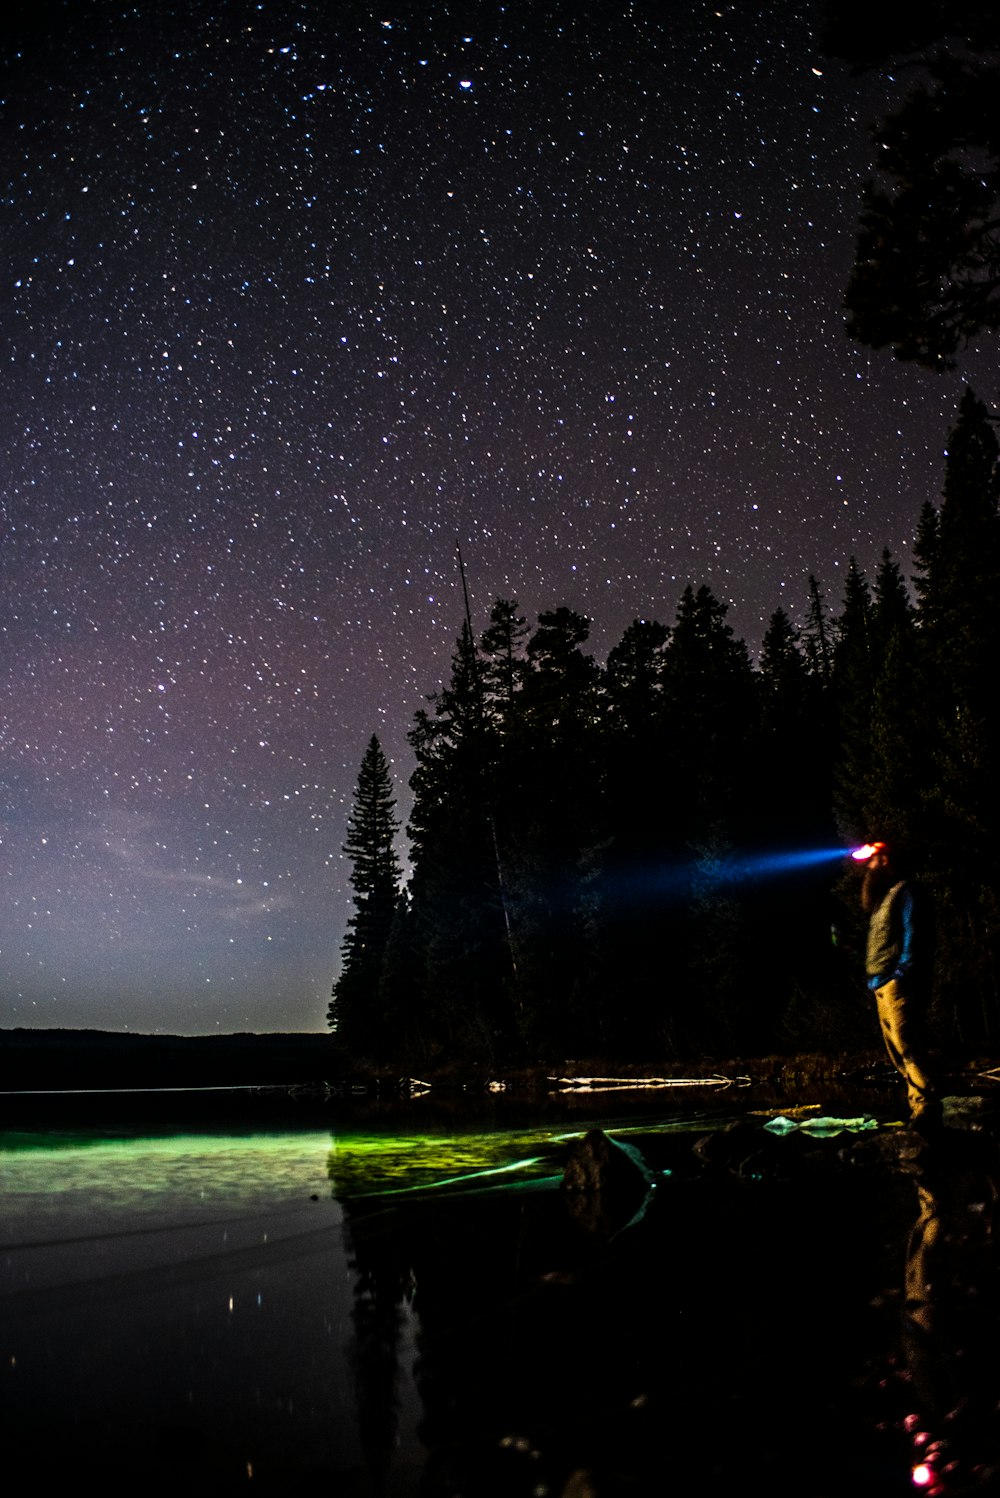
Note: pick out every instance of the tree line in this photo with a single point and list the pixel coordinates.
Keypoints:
(625, 860)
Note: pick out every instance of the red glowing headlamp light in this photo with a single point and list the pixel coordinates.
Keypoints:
(866, 851)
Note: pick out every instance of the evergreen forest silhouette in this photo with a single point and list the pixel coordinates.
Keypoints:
(598, 852)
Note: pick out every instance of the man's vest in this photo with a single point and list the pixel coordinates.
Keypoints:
(885, 935)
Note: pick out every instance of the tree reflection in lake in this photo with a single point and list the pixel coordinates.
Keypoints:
(754, 1306)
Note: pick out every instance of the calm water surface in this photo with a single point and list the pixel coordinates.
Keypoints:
(407, 1302)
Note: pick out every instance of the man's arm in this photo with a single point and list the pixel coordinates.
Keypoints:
(904, 966)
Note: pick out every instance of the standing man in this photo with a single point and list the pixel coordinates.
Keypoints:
(897, 966)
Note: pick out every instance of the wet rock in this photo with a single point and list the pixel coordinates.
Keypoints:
(604, 1183)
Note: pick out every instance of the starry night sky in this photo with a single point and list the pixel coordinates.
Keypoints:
(297, 296)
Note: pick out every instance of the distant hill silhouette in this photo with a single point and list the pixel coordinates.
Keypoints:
(84, 1060)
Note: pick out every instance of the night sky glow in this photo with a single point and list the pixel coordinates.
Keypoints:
(297, 295)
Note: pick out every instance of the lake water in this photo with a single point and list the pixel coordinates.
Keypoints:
(404, 1300)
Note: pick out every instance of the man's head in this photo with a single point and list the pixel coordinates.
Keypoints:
(881, 873)
(866, 852)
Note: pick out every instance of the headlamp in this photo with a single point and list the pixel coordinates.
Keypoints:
(866, 851)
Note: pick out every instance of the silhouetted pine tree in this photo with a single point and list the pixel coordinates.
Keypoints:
(623, 893)
(710, 715)
(817, 636)
(503, 664)
(899, 767)
(456, 905)
(503, 669)
(793, 777)
(790, 811)
(552, 783)
(356, 1012)
(633, 682)
(855, 668)
(879, 775)
(710, 705)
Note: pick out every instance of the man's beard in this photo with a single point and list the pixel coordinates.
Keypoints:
(874, 887)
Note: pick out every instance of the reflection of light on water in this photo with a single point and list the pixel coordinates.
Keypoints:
(46, 1178)
(373, 1164)
(185, 1300)
(57, 1185)
(52, 1177)
(202, 1282)
(389, 1164)
(74, 1176)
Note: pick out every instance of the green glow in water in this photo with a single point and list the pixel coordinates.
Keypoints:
(376, 1164)
(382, 1164)
(51, 1175)
(83, 1175)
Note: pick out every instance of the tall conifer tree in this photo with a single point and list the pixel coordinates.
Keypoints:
(457, 906)
(503, 665)
(710, 706)
(817, 637)
(623, 927)
(552, 814)
(355, 1011)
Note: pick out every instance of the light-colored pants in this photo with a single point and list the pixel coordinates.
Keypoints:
(902, 1031)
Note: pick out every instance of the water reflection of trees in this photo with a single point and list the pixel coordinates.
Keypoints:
(739, 1333)
(383, 1286)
